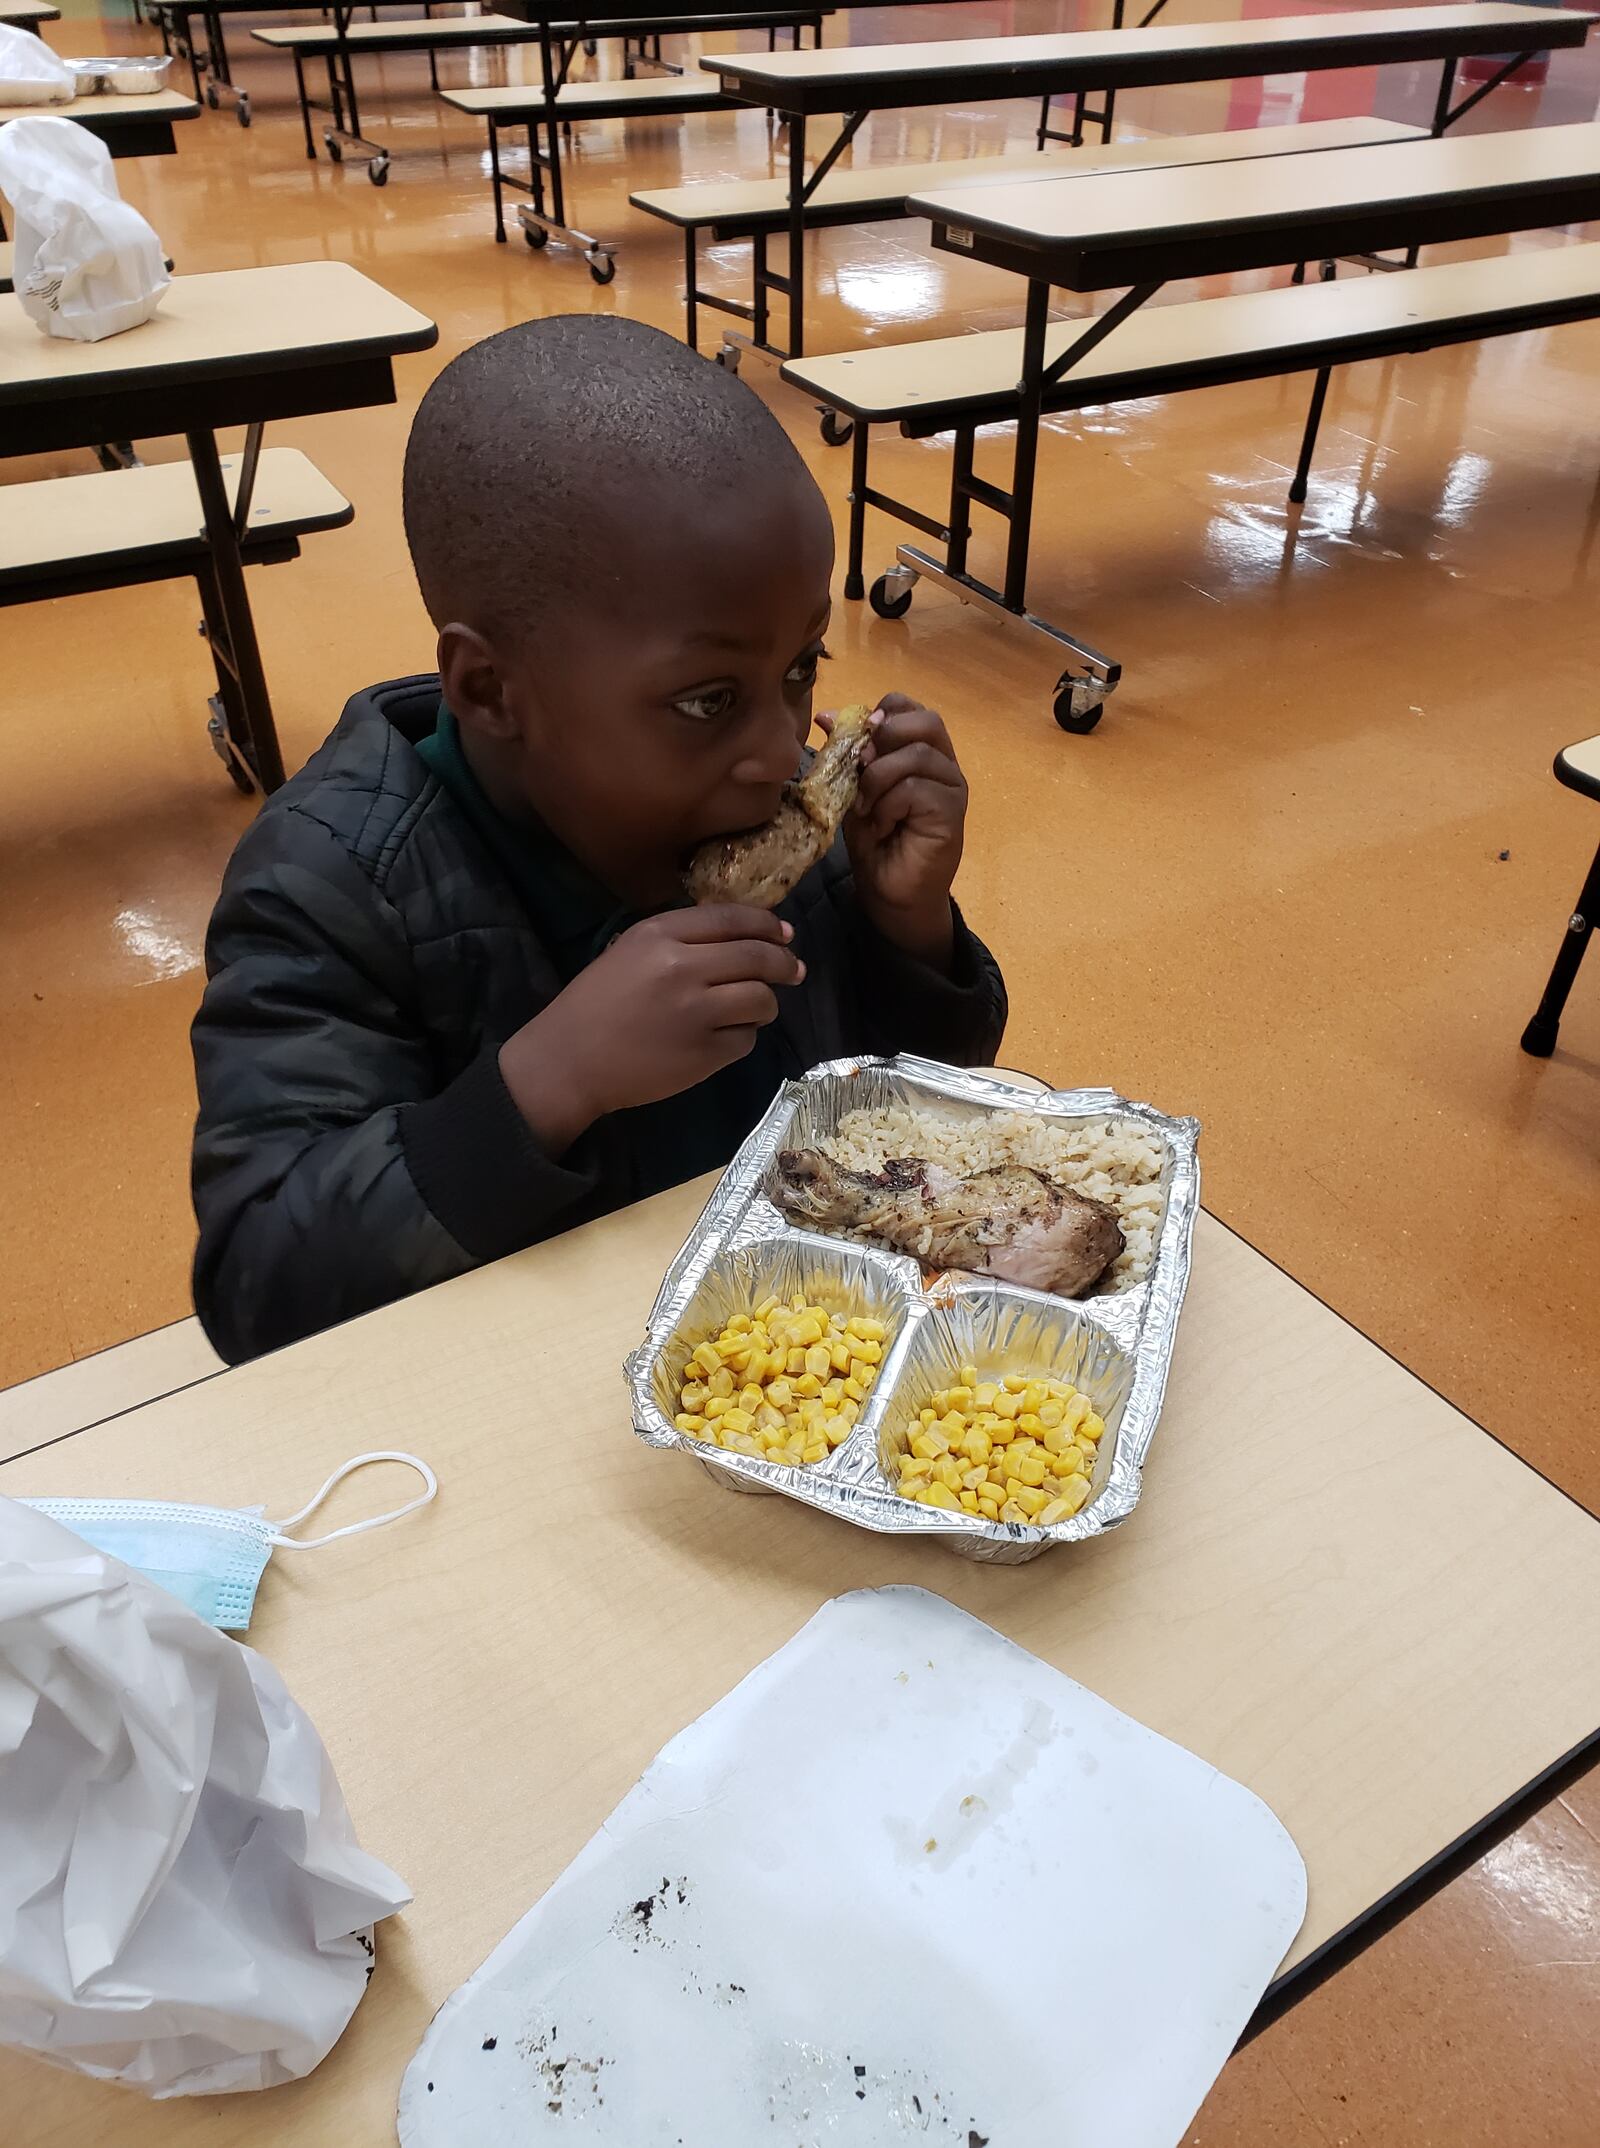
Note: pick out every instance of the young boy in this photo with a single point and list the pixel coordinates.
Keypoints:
(457, 1001)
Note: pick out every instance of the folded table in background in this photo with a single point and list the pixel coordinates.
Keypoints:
(491, 1678)
(238, 348)
(859, 80)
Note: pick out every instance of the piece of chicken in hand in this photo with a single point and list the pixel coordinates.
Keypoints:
(1011, 1222)
(762, 865)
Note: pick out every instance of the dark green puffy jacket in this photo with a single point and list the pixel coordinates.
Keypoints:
(367, 959)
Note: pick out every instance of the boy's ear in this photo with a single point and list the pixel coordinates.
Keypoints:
(474, 683)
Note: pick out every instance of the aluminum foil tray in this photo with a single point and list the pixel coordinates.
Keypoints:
(1115, 1348)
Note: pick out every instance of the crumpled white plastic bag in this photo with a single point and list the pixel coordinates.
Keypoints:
(30, 73)
(183, 1903)
(86, 264)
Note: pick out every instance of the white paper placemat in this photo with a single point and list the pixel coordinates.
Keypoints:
(906, 1882)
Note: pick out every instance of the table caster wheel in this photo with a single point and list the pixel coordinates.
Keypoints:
(602, 267)
(1079, 703)
(728, 357)
(242, 111)
(211, 96)
(1539, 1038)
(590, 48)
(243, 781)
(378, 171)
(536, 236)
(335, 148)
(836, 430)
(888, 598)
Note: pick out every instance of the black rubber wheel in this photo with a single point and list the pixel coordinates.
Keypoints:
(242, 111)
(728, 358)
(1328, 271)
(1539, 1038)
(1069, 718)
(836, 430)
(243, 781)
(536, 236)
(378, 171)
(602, 268)
(883, 604)
(211, 96)
(590, 48)
(334, 147)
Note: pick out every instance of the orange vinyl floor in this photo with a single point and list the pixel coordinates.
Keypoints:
(1305, 880)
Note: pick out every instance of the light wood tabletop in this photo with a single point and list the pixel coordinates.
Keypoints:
(844, 77)
(255, 319)
(1134, 226)
(28, 14)
(149, 107)
(1337, 1588)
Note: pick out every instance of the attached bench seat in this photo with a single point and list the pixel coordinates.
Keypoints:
(956, 383)
(639, 97)
(877, 193)
(62, 535)
(525, 105)
(439, 33)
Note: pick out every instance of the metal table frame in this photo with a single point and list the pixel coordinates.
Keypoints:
(1341, 231)
(1131, 67)
(195, 402)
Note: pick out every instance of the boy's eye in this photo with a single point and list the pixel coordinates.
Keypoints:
(803, 671)
(705, 706)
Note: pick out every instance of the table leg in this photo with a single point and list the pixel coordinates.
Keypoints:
(1441, 107)
(797, 235)
(1539, 1038)
(305, 104)
(1030, 407)
(558, 206)
(242, 655)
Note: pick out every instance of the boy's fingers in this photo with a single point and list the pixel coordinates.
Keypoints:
(743, 961)
(903, 725)
(915, 799)
(709, 921)
(906, 762)
(742, 1006)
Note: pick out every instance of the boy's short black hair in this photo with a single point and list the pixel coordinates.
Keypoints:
(532, 449)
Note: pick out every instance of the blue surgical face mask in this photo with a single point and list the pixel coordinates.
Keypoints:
(212, 1558)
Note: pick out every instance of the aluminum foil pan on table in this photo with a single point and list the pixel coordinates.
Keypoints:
(121, 78)
(1115, 1348)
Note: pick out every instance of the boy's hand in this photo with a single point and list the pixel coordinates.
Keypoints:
(671, 1000)
(904, 832)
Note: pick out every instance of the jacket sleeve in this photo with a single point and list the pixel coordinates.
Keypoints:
(909, 1007)
(331, 1171)
(896, 1003)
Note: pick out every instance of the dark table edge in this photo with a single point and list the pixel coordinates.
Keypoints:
(1342, 1947)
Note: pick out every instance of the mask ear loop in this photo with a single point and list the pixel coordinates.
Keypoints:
(356, 1528)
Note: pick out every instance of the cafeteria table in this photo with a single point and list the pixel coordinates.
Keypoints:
(857, 80)
(28, 14)
(1136, 231)
(129, 126)
(1336, 1588)
(240, 347)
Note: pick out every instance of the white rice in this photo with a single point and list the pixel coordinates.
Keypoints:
(1110, 1160)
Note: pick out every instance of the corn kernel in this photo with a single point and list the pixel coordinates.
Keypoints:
(983, 1395)
(968, 1375)
(1012, 1512)
(970, 1501)
(1092, 1428)
(1007, 1407)
(808, 1385)
(869, 1330)
(705, 1356)
(1051, 1413)
(839, 1356)
(765, 1310)
(818, 1362)
(816, 1453)
(1032, 1471)
(1016, 1383)
(1030, 1499)
(940, 1495)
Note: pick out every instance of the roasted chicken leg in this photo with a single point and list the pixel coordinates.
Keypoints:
(1012, 1223)
(763, 865)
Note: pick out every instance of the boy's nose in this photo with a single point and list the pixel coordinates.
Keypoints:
(769, 757)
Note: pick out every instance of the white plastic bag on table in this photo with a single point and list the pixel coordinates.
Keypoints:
(183, 1903)
(86, 264)
(30, 73)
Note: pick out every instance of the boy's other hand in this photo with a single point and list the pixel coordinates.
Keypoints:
(905, 830)
(672, 1000)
